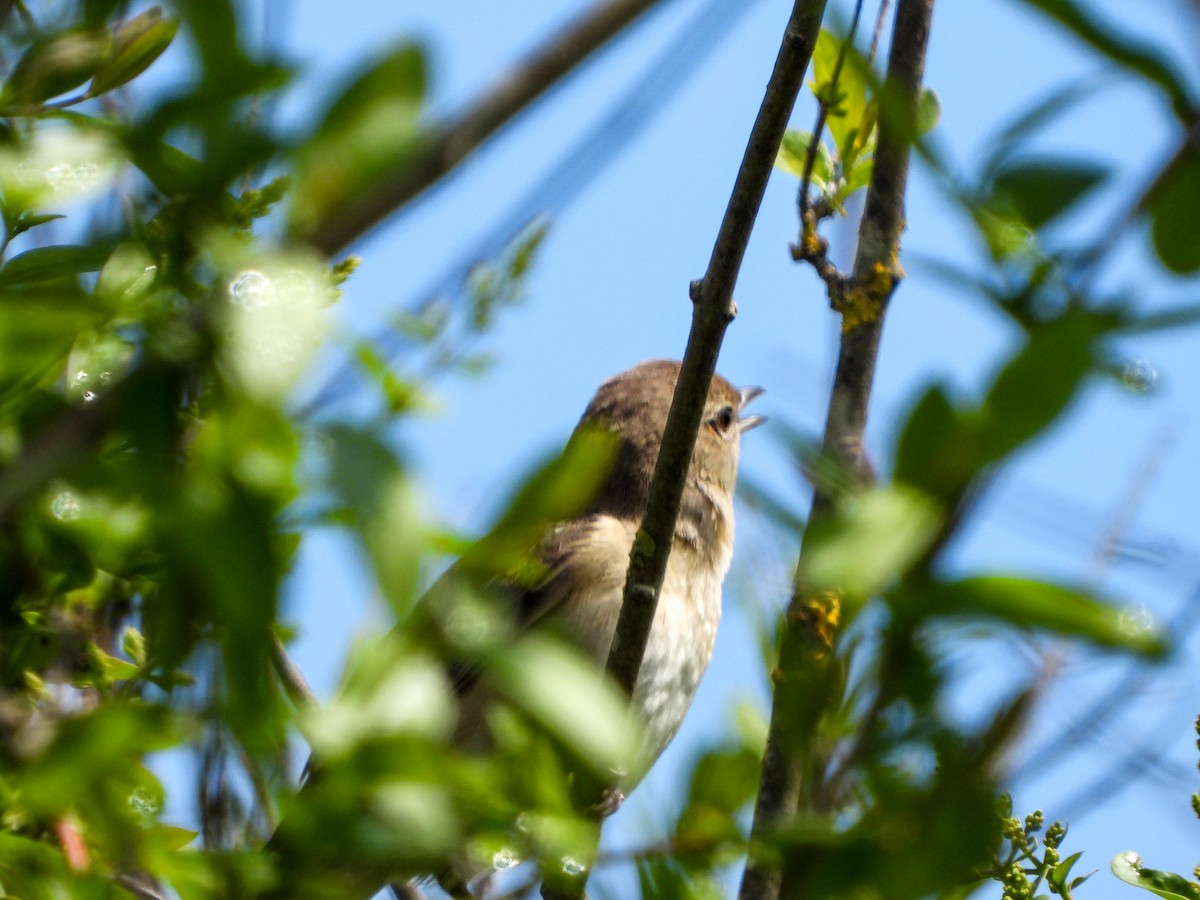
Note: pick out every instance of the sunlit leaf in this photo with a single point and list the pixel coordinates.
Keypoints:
(51, 263)
(1128, 867)
(369, 130)
(793, 153)
(929, 111)
(868, 541)
(136, 44)
(569, 696)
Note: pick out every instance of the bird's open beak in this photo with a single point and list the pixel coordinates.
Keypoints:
(745, 396)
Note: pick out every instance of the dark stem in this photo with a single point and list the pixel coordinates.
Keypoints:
(454, 140)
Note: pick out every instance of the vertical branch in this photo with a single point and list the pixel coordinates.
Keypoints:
(713, 310)
(805, 678)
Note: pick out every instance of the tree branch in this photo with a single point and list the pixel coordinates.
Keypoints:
(713, 310)
(454, 140)
(804, 686)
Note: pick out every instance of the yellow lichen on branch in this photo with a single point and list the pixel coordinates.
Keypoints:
(863, 302)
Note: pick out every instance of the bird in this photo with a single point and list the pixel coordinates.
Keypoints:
(583, 563)
(586, 558)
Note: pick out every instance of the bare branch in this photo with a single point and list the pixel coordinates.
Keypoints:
(802, 679)
(713, 310)
(454, 140)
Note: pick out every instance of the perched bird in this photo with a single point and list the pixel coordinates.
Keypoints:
(585, 559)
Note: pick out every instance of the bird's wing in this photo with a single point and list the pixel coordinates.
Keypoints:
(527, 605)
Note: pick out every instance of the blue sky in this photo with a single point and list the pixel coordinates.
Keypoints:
(610, 289)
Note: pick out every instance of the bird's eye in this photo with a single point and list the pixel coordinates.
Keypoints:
(724, 419)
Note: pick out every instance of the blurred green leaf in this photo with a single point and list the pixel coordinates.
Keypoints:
(870, 539)
(1028, 603)
(136, 44)
(38, 325)
(367, 131)
(133, 644)
(568, 695)
(1034, 387)
(1181, 316)
(52, 263)
(557, 491)
(929, 111)
(1172, 208)
(373, 484)
(96, 756)
(54, 66)
(1040, 190)
(938, 452)
(169, 169)
(1014, 135)
(27, 220)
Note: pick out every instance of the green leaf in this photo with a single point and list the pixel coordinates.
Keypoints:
(938, 449)
(115, 668)
(1040, 190)
(1041, 114)
(858, 177)
(52, 263)
(1034, 387)
(1128, 867)
(794, 150)
(871, 539)
(1137, 56)
(564, 691)
(368, 132)
(1028, 603)
(133, 644)
(929, 111)
(1172, 207)
(136, 44)
(38, 325)
(556, 492)
(54, 66)
(171, 170)
(28, 220)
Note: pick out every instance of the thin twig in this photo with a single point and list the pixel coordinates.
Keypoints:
(810, 156)
(456, 139)
(802, 678)
(877, 34)
(713, 311)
